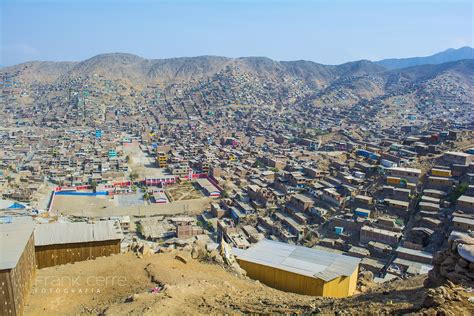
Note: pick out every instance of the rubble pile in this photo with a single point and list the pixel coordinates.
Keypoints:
(141, 249)
(455, 264)
(365, 281)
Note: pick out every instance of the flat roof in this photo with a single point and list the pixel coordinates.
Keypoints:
(464, 220)
(13, 239)
(466, 198)
(457, 153)
(310, 262)
(67, 233)
(414, 252)
(404, 169)
(303, 198)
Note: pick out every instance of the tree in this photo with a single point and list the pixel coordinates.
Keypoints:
(460, 189)
(94, 186)
(133, 176)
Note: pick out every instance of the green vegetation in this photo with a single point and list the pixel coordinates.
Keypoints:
(456, 193)
(139, 228)
(258, 164)
(133, 175)
(94, 186)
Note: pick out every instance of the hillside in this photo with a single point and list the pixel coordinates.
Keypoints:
(202, 288)
(137, 70)
(199, 83)
(439, 58)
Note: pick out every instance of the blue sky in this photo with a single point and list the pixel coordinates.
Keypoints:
(326, 31)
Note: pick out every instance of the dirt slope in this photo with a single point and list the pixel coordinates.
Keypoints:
(121, 284)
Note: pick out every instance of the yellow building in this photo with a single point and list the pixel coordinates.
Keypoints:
(441, 172)
(300, 269)
(162, 159)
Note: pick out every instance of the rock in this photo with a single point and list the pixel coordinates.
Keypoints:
(188, 248)
(200, 243)
(219, 260)
(450, 284)
(459, 269)
(132, 298)
(213, 254)
(183, 256)
(433, 299)
(466, 252)
(445, 270)
(456, 277)
(366, 276)
(438, 258)
(238, 270)
(198, 252)
(145, 250)
(460, 238)
(463, 263)
(449, 261)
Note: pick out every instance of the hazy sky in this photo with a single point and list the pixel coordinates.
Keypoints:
(326, 31)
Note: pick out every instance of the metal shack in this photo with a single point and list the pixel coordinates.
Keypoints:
(62, 243)
(300, 269)
(17, 264)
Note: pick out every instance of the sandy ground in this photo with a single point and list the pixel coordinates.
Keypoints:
(103, 206)
(121, 284)
(141, 163)
(185, 191)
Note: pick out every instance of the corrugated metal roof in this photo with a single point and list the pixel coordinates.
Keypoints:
(301, 260)
(66, 233)
(13, 239)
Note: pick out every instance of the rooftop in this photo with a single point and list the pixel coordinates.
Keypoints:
(13, 239)
(301, 260)
(66, 233)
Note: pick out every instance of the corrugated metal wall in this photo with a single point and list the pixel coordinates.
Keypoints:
(15, 283)
(297, 283)
(53, 255)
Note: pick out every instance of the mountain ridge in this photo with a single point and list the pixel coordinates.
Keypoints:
(447, 55)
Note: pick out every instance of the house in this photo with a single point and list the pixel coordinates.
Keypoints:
(62, 243)
(208, 188)
(457, 158)
(463, 224)
(300, 269)
(17, 264)
(368, 234)
(466, 204)
(409, 174)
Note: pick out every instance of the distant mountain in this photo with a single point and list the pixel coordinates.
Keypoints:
(439, 58)
(137, 70)
(343, 84)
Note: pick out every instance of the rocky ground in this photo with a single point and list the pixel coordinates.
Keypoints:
(200, 280)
